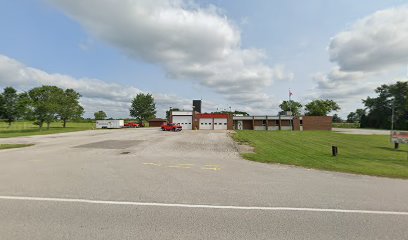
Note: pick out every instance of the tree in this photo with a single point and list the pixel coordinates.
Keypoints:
(8, 105)
(241, 113)
(236, 112)
(321, 107)
(355, 117)
(337, 119)
(100, 115)
(69, 107)
(24, 106)
(393, 96)
(143, 107)
(294, 107)
(168, 113)
(44, 104)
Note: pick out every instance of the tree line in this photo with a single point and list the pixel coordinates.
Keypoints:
(47, 104)
(43, 105)
(389, 107)
(318, 107)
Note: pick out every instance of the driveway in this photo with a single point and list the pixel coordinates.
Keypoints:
(362, 131)
(148, 184)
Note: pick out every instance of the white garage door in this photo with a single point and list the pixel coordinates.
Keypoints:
(185, 121)
(206, 123)
(220, 123)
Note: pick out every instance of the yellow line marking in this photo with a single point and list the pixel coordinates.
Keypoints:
(153, 164)
(178, 166)
(214, 168)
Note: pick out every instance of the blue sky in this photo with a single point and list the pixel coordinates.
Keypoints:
(257, 50)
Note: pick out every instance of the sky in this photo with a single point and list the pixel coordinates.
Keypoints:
(240, 54)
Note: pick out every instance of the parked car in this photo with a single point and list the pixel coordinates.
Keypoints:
(131, 125)
(171, 127)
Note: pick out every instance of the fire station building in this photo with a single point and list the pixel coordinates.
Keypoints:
(192, 119)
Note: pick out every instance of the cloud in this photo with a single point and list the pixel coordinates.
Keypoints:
(349, 88)
(377, 42)
(188, 41)
(370, 53)
(97, 95)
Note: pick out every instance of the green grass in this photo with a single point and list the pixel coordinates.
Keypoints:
(361, 154)
(19, 129)
(8, 146)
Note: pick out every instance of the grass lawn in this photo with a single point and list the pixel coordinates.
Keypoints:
(362, 154)
(8, 146)
(19, 129)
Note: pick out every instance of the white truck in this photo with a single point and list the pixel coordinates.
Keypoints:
(110, 123)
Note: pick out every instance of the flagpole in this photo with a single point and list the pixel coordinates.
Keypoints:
(290, 109)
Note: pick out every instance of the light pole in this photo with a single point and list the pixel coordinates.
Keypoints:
(194, 120)
(170, 115)
(392, 121)
(392, 116)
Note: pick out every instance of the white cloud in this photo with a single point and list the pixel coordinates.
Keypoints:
(97, 94)
(370, 53)
(377, 42)
(188, 41)
(349, 88)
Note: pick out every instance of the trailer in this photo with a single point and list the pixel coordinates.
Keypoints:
(110, 123)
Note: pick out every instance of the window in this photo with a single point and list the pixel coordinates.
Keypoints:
(277, 122)
(202, 123)
(263, 122)
(215, 123)
(301, 122)
(225, 123)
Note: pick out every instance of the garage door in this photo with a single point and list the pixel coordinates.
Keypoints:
(206, 123)
(220, 123)
(185, 121)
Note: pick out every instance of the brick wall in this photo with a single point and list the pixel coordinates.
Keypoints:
(197, 116)
(323, 123)
(296, 124)
(272, 122)
(247, 125)
(230, 123)
(258, 123)
(156, 123)
(285, 122)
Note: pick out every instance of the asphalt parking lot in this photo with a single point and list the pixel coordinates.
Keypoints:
(148, 184)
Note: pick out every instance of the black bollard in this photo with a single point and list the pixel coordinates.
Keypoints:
(335, 151)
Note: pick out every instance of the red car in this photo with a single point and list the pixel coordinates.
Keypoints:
(171, 127)
(131, 125)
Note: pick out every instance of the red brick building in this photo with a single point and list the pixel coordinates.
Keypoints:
(280, 122)
(306, 123)
(202, 121)
(157, 122)
(192, 119)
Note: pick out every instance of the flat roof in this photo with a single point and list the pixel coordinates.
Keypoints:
(158, 120)
(181, 113)
(274, 117)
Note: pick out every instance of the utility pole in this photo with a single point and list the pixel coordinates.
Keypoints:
(290, 109)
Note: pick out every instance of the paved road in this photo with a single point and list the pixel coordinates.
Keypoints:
(147, 184)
